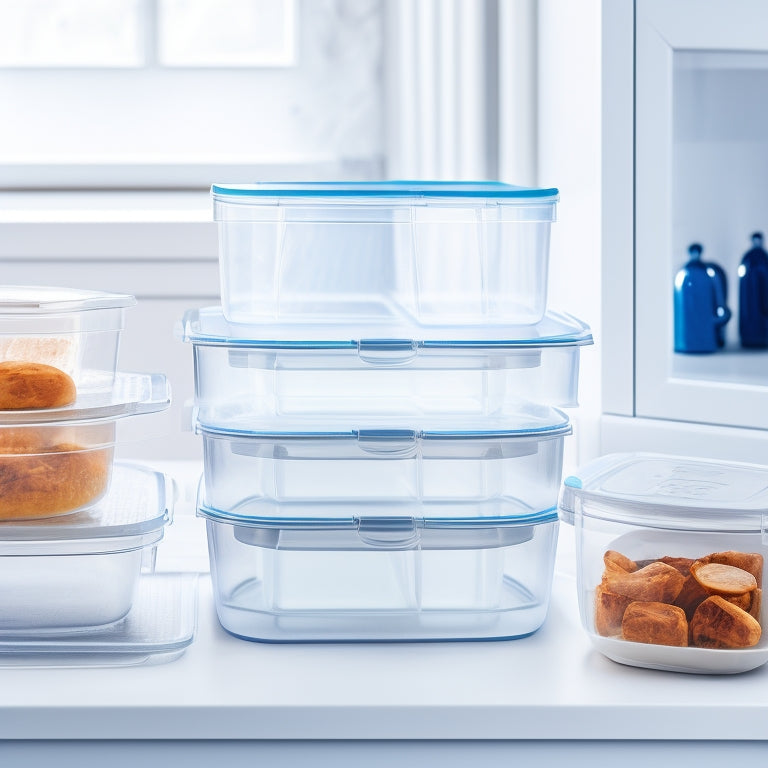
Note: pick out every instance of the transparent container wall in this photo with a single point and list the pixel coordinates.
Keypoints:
(235, 385)
(436, 265)
(245, 474)
(718, 140)
(66, 592)
(316, 585)
(595, 536)
(54, 469)
(85, 345)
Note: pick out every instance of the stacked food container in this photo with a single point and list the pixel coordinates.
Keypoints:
(78, 530)
(377, 399)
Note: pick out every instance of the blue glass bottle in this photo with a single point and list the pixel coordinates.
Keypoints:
(701, 312)
(753, 295)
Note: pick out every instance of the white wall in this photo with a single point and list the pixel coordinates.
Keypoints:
(569, 153)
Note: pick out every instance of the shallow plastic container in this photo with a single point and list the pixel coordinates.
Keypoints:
(76, 331)
(249, 372)
(429, 252)
(58, 461)
(434, 469)
(378, 578)
(82, 570)
(651, 506)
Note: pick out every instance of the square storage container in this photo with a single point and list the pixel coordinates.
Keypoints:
(669, 558)
(57, 461)
(425, 252)
(375, 577)
(262, 371)
(76, 331)
(82, 570)
(312, 469)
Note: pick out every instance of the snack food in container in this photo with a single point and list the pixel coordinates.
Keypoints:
(56, 461)
(82, 570)
(426, 252)
(670, 554)
(72, 330)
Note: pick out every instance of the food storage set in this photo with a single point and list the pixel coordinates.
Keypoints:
(78, 529)
(378, 397)
(669, 557)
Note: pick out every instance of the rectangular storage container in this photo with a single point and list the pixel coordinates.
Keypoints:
(669, 557)
(82, 570)
(429, 252)
(378, 578)
(433, 470)
(76, 331)
(57, 461)
(250, 372)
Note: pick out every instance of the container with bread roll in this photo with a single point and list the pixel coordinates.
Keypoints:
(82, 570)
(59, 461)
(670, 554)
(56, 343)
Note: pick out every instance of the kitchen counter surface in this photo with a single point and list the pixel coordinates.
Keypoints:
(550, 686)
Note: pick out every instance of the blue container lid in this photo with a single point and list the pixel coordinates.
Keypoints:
(343, 191)
(208, 327)
(532, 421)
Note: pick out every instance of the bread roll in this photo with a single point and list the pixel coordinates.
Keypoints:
(720, 624)
(657, 623)
(26, 385)
(657, 582)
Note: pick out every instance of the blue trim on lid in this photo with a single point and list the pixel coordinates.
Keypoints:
(573, 482)
(393, 189)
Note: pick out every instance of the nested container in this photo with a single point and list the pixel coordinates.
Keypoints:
(429, 252)
(82, 570)
(301, 370)
(75, 331)
(669, 557)
(374, 572)
(262, 468)
(58, 461)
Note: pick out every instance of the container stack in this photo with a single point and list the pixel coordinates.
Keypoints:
(78, 530)
(378, 398)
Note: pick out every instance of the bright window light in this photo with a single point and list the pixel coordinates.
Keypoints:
(71, 33)
(229, 33)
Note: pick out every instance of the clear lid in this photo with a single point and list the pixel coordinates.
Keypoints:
(208, 327)
(132, 515)
(36, 299)
(131, 394)
(674, 492)
(344, 192)
(530, 420)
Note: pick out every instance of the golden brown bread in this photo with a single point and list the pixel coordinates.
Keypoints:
(622, 561)
(720, 624)
(719, 579)
(752, 562)
(657, 623)
(657, 582)
(609, 611)
(25, 385)
(54, 480)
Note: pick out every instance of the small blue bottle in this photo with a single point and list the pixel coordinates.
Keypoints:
(753, 296)
(701, 312)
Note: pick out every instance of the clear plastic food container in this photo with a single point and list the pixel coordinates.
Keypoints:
(245, 372)
(669, 558)
(375, 577)
(75, 331)
(304, 469)
(429, 252)
(82, 570)
(58, 461)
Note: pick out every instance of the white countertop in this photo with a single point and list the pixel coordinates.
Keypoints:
(551, 685)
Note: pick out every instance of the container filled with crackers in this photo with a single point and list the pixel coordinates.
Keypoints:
(670, 556)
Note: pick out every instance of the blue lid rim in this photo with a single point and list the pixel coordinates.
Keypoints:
(389, 189)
